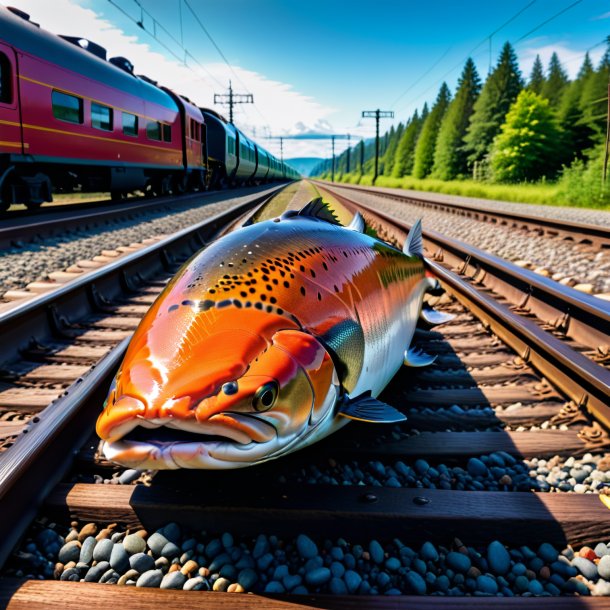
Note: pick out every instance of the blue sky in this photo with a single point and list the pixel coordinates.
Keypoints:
(314, 65)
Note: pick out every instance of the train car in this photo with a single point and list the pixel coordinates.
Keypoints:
(262, 165)
(221, 138)
(72, 120)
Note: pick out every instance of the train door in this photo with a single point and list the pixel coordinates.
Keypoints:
(10, 115)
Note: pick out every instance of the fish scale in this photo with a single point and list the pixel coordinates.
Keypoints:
(298, 313)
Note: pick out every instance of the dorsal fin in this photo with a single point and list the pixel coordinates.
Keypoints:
(357, 223)
(318, 208)
(414, 246)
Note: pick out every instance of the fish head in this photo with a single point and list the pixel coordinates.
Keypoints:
(222, 388)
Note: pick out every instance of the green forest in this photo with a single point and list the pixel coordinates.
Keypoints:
(540, 138)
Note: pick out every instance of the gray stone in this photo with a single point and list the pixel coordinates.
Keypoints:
(498, 558)
(86, 551)
(273, 586)
(587, 568)
(97, 571)
(173, 580)
(119, 560)
(376, 551)
(103, 549)
(69, 552)
(415, 583)
(352, 580)
(306, 547)
(458, 562)
(141, 562)
(317, 577)
(170, 550)
(194, 584)
(535, 587)
(172, 532)
(247, 578)
(337, 586)
(547, 552)
(603, 567)
(476, 468)
(129, 476)
(151, 578)
(109, 575)
(69, 573)
(134, 544)
(428, 552)
(156, 542)
(486, 584)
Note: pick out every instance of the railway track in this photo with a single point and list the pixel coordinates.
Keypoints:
(492, 443)
(23, 225)
(584, 233)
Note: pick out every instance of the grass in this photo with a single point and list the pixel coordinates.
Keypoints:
(538, 193)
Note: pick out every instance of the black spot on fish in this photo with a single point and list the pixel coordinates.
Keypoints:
(325, 266)
(319, 297)
(237, 303)
(303, 290)
(205, 305)
(263, 297)
(251, 290)
(258, 305)
(224, 303)
(172, 308)
(286, 285)
(243, 294)
(313, 273)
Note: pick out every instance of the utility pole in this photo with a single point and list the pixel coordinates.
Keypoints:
(230, 99)
(348, 152)
(377, 114)
(605, 168)
(361, 157)
(281, 149)
(332, 173)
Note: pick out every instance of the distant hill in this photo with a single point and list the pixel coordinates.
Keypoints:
(304, 165)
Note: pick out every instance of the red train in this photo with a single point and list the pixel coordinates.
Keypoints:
(71, 120)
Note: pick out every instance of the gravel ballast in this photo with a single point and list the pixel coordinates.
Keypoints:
(574, 264)
(34, 261)
(179, 559)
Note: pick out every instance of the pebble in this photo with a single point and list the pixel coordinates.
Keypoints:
(194, 584)
(458, 561)
(129, 575)
(428, 552)
(376, 551)
(415, 583)
(317, 577)
(141, 562)
(103, 549)
(352, 581)
(547, 552)
(150, 578)
(96, 572)
(119, 559)
(70, 552)
(156, 542)
(477, 468)
(306, 547)
(585, 567)
(129, 476)
(134, 544)
(603, 567)
(173, 580)
(498, 558)
(220, 584)
(486, 584)
(90, 529)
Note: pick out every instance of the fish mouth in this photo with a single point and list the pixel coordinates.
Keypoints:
(226, 440)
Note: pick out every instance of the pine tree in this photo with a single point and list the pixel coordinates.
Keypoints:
(499, 91)
(390, 154)
(593, 102)
(450, 159)
(528, 145)
(577, 134)
(537, 79)
(403, 165)
(426, 143)
(556, 82)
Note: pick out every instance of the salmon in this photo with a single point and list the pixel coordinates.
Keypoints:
(268, 340)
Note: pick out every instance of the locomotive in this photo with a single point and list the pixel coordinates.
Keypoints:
(71, 119)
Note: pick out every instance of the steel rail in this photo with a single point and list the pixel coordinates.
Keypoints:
(585, 233)
(579, 377)
(41, 455)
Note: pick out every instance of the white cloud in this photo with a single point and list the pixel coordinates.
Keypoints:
(571, 59)
(280, 110)
(602, 16)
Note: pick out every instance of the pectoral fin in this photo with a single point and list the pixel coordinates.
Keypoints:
(368, 409)
(415, 357)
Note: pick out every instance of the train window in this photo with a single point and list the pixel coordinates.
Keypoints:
(130, 124)
(167, 133)
(153, 130)
(101, 117)
(67, 107)
(5, 80)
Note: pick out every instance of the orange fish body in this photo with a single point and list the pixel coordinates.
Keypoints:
(258, 345)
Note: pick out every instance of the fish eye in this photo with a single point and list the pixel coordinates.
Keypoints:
(265, 397)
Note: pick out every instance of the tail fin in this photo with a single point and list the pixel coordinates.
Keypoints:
(414, 246)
